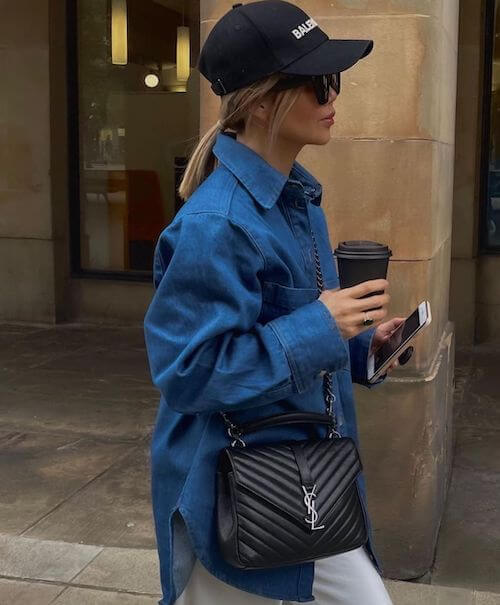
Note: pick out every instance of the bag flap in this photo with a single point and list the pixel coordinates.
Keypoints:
(270, 472)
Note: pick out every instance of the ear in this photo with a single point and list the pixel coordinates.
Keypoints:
(261, 111)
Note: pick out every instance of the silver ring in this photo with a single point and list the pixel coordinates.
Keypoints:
(367, 321)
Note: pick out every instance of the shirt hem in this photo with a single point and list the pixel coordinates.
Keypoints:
(221, 576)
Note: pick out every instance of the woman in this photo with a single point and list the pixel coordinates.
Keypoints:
(236, 325)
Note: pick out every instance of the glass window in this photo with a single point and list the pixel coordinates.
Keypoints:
(491, 230)
(138, 106)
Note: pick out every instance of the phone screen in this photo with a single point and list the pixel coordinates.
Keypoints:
(404, 331)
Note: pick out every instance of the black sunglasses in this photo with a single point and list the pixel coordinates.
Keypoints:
(321, 84)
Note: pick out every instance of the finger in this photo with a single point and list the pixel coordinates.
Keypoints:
(394, 323)
(367, 287)
(363, 304)
(393, 365)
(388, 328)
(377, 317)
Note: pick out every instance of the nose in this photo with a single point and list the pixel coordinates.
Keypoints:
(332, 95)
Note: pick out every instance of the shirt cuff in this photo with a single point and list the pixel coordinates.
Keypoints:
(312, 342)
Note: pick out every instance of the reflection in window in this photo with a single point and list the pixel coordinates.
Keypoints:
(493, 195)
(138, 120)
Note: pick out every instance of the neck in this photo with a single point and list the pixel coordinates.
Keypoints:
(281, 156)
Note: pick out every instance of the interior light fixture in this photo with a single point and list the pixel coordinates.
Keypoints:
(119, 42)
(183, 66)
(151, 80)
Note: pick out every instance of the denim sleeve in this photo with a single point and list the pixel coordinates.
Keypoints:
(359, 347)
(207, 352)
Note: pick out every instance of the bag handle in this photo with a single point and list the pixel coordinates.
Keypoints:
(235, 432)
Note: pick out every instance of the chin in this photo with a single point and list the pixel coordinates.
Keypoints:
(317, 137)
(321, 139)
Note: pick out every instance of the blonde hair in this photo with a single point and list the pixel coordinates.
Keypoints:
(234, 115)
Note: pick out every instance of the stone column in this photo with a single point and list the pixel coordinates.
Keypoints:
(387, 176)
(27, 265)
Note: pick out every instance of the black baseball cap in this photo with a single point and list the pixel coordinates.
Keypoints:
(258, 39)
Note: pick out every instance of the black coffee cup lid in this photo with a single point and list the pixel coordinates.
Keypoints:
(362, 249)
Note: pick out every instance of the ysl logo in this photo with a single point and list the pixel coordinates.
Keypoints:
(309, 502)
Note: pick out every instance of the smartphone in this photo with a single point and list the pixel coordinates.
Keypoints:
(379, 362)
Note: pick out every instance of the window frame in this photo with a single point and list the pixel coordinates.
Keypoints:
(489, 41)
(74, 163)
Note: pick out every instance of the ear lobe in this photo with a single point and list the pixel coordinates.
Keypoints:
(258, 109)
(259, 113)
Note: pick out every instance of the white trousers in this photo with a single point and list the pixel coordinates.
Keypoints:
(346, 579)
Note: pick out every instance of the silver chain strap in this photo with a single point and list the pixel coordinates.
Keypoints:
(327, 378)
(233, 430)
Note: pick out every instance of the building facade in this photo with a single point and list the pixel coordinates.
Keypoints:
(100, 105)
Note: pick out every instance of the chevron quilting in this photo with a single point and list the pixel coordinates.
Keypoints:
(270, 508)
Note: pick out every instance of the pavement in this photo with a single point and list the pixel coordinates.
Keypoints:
(76, 413)
(468, 549)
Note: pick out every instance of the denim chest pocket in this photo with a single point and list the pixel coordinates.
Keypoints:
(278, 299)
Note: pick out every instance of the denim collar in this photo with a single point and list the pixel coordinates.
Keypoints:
(262, 180)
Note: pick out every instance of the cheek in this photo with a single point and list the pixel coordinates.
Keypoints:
(303, 115)
(306, 106)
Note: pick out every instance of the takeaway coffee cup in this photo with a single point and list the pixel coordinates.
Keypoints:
(359, 261)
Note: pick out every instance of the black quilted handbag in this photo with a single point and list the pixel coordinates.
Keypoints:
(289, 502)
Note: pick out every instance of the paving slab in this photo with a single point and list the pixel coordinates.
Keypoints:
(76, 378)
(132, 570)
(120, 361)
(478, 449)
(113, 510)
(80, 596)
(43, 559)
(28, 348)
(27, 351)
(480, 406)
(487, 599)
(11, 333)
(409, 593)
(13, 592)
(113, 407)
(41, 470)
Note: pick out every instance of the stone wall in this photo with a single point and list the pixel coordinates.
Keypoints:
(27, 266)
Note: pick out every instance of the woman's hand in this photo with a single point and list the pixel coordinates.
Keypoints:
(349, 309)
(383, 333)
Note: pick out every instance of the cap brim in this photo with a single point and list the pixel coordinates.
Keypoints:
(330, 57)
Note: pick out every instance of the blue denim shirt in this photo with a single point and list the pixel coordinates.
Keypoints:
(235, 326)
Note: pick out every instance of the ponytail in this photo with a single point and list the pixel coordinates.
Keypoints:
(201, 163)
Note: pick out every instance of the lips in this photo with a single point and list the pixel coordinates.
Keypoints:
(329, 116)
